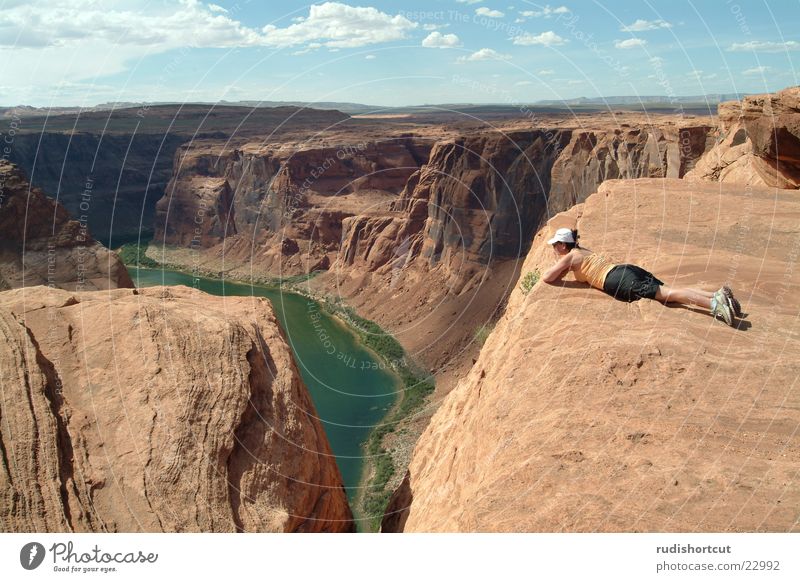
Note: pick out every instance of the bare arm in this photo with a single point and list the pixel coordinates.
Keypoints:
(557, 271)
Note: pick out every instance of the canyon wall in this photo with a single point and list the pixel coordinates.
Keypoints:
(483, 197)
(583, 413)
(157, 410)
(757, 142)
(591, 157)
(40, 244)
(112, 166)
(111, 180)
(279, 209)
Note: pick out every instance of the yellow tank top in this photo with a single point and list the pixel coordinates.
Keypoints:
(593, 270)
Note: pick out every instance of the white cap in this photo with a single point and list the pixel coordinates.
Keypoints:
(562, 235)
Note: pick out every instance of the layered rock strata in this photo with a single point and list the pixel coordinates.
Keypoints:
(757, 143)
(157, 410)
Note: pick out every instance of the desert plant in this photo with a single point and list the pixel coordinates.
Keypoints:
(482, 333)
(528, 281)
(133, 255)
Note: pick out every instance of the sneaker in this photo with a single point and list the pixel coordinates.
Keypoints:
(719, 306)
(732, 302)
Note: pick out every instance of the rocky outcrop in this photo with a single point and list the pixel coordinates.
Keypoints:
(158, 410)
(42, 245)
(758, 142)
(583, 413)
(592, 157)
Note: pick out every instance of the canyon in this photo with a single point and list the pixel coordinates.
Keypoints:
(578, 413)
(426, 216)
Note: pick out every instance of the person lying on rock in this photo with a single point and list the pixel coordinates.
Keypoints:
(630, 282)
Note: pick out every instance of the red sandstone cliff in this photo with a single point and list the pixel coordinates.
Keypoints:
(163, 409)
(280, 208)
(583, 413)
(479, 199)
(40, 244)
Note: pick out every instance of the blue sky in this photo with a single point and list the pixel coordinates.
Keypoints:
(83, 52)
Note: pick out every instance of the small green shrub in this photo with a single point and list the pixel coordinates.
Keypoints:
(528, 281)
(482, 333)
(133, 254)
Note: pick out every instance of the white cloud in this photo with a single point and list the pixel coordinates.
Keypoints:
(756, 70)
(338, 25)
(523, 83)
(439, 40)
(485, 54)
(642, 25)
(370, 57)
(545, 12)
(176, 23)
(545, 72)
(630, 43)
(765, 46)
(51, 42)
(548, 38)
(468, 1)
(169, 24)
(483, 11)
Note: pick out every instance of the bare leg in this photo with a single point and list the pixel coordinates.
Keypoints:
(684, 296)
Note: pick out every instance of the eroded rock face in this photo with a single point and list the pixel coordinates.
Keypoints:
(40, 244)
(163, 409)
(480, 199)
(583, 413)
(592, 157)
(252, 199)
(758, 142)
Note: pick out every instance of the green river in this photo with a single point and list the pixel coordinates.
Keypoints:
(349, 384)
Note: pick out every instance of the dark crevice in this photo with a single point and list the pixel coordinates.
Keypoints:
(4, 456)
(52, 392)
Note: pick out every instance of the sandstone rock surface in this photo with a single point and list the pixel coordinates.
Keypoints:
(162, 409)
(758, 142)
(40, 244)
(583, 413)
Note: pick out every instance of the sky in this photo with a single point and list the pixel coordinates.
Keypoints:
(391, 53)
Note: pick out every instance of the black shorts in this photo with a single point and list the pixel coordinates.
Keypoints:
(631, 283)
